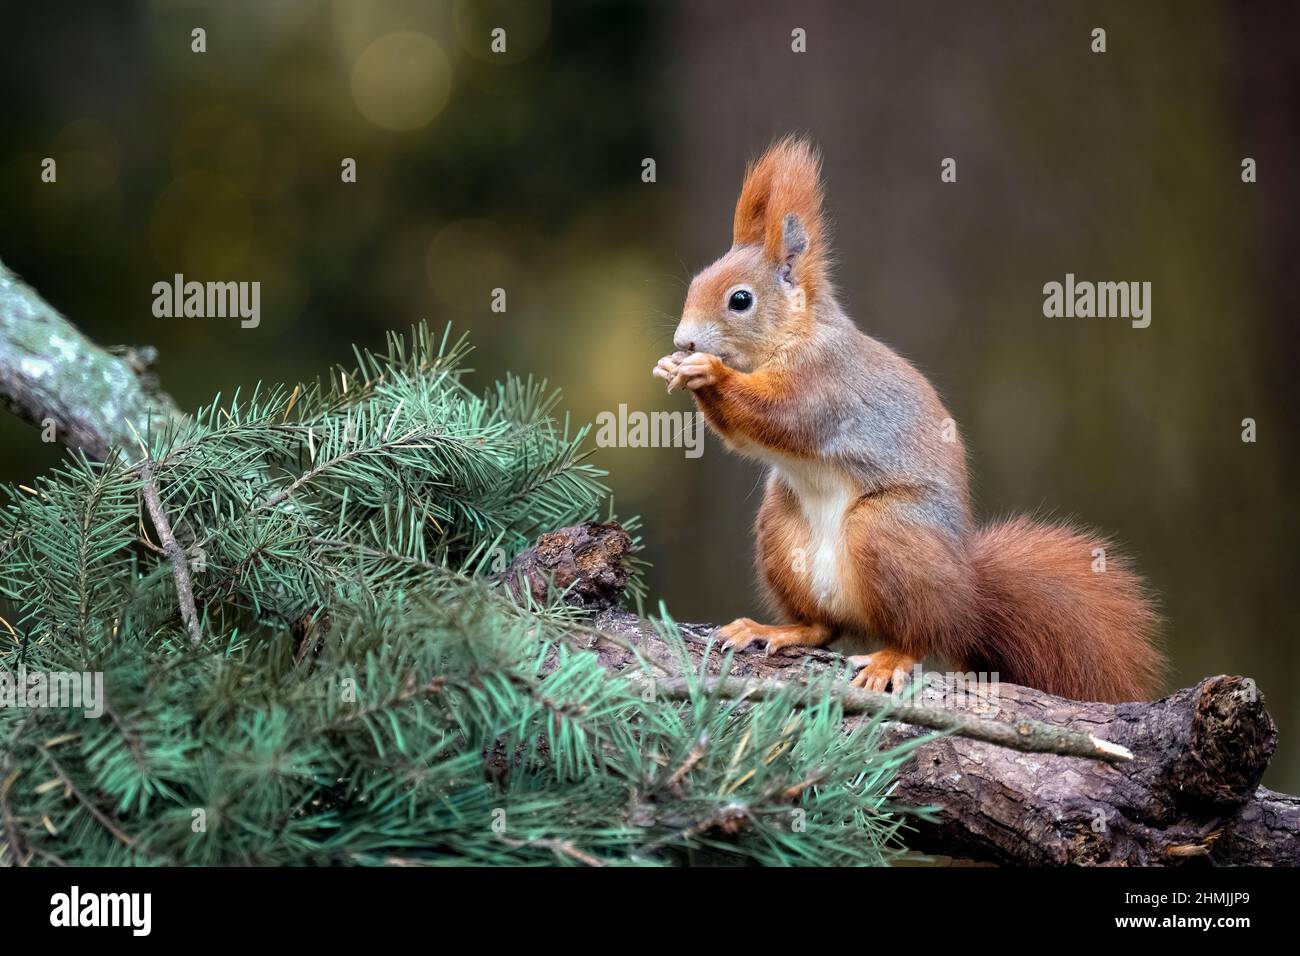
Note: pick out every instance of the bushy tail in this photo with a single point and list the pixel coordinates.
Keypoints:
(1052, 618)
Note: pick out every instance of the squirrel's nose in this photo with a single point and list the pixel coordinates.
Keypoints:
(683, 344)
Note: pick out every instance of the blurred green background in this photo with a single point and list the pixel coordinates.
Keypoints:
(522, 171)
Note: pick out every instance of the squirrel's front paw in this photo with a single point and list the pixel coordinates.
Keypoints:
(666, 367)
(698, 370)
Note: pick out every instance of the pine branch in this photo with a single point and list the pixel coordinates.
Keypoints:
(374, 503)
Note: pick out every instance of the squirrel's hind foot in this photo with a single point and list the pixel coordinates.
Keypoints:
(883, 670)
(743, 631)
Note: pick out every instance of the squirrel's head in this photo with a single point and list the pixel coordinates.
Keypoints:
(763, 293)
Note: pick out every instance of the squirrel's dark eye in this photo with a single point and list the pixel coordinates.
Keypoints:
(740, 300)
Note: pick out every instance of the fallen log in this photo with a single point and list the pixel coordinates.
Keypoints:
(1190, 795)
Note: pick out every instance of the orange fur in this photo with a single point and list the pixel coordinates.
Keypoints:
(786, 180)
(744, 408)
(741, 632)
(1051, 621)
(1020, 600)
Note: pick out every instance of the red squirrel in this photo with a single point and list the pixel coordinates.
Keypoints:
(865, 526)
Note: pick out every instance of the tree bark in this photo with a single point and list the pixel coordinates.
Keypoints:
(51, 374)
(1190, 794)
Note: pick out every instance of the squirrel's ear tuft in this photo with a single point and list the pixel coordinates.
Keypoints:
(780, 206)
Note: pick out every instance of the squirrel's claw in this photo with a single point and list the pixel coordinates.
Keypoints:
(740, 633)
(666, 369)
(793, 637)
(882, 670)
(743, 631)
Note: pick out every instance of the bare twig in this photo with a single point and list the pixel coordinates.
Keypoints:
(559, 848)
(175, 553)
(694, 757)
(104, 819)
(1028, 736)
(7, 777)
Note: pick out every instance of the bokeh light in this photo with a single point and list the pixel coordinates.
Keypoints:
(465, 261)
(401, 81)
(201, 226)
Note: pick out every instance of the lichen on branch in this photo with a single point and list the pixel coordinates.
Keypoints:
(52, 375)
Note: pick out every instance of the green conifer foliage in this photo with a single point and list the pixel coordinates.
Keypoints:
(360, 692)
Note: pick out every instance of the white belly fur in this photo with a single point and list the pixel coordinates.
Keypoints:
(823, 498)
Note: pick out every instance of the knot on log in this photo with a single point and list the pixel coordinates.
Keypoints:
(588, 562)
(1229, 745)
(1201, 751)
